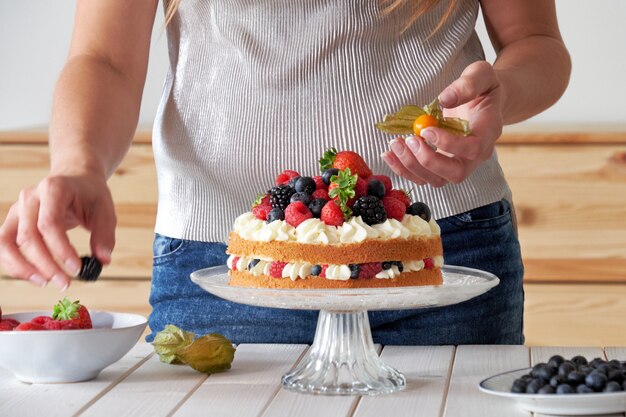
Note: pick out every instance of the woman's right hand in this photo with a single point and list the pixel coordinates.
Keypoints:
(34, 245)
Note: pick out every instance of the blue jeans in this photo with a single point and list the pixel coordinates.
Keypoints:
(484, 238)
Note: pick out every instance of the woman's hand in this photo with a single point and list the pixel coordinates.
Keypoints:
(34, 245)
(440, 157)
(94, 117)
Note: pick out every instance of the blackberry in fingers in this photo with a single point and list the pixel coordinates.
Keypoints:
(90, 268)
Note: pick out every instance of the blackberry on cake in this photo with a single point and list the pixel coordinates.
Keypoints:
(370, 209)
(280, 196)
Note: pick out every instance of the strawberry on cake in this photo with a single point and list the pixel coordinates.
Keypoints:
(345, 228)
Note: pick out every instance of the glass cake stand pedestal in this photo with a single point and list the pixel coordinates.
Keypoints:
(342, 359)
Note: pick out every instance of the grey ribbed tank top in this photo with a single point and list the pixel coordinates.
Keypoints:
(258, 86)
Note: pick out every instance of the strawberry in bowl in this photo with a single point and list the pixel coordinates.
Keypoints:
(66, 315)
(68, 344)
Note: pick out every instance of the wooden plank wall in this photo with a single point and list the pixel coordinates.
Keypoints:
(569, 191)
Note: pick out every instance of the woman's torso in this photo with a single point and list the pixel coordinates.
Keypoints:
(259, 86)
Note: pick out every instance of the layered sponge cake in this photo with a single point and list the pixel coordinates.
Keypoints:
(345, 228)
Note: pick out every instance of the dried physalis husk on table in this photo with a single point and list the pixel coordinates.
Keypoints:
(208, 354)
(168, 342)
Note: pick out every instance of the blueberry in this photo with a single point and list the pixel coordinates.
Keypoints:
(604, 368)
(355, 269)
(595, 362)
(596, 381)
(421, 210)
(275, 214)
(579, 360)
(564, 389)
(616, 375)
(565, 368)
(329, 173)
(614, 363)
(585, 369)
(612, 386)
(90, 268)
(316, 207)
(292, 182)
(576, 377)
(253, 263)
(534, 386)
(546, 389)
(301, 196)
(316, 270)
(556, 380)
(400, 265)
(305, 185)
(519, 386)
(584, 389)
(376, 188)
(543, 371)
(555, 361)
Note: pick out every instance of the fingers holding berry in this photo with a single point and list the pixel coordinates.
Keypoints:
(471, 147)
(53, 221)
(31, 243)
(452, 152)
(450, 169)
(34, 244)
(10, 256)
(404, 160)
(478, 79)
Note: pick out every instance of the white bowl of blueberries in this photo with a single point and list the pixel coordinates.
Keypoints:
(567, 387)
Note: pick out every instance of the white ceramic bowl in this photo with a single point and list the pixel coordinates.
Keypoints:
(54, 356)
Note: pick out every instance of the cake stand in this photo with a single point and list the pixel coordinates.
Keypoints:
(342, 359)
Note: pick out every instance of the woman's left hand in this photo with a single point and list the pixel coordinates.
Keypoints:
(445, 158)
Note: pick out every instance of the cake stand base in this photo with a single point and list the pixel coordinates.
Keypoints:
(342, 360)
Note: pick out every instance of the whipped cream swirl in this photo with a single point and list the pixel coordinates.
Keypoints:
(316, 231)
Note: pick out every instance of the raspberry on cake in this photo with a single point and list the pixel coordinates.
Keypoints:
(366, 234)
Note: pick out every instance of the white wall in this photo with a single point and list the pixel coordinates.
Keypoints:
(34, 37)
(34, 40)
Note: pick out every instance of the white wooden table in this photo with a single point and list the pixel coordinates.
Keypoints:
(441, 381)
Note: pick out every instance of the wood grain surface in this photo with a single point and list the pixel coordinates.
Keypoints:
(442, 381)
(570, 205)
